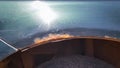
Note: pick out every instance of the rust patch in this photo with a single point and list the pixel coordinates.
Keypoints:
(52, 37)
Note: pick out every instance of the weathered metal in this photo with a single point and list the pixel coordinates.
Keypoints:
(107, 49)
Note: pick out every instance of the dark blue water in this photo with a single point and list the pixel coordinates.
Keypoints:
(18, 21)
(5, 50)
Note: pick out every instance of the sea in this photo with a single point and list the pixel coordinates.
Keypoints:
(22, 19)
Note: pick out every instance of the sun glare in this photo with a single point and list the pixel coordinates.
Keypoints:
(43, 10)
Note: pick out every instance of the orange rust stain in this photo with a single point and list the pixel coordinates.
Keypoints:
(52, 37)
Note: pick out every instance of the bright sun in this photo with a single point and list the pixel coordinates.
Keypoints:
(43, 10)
